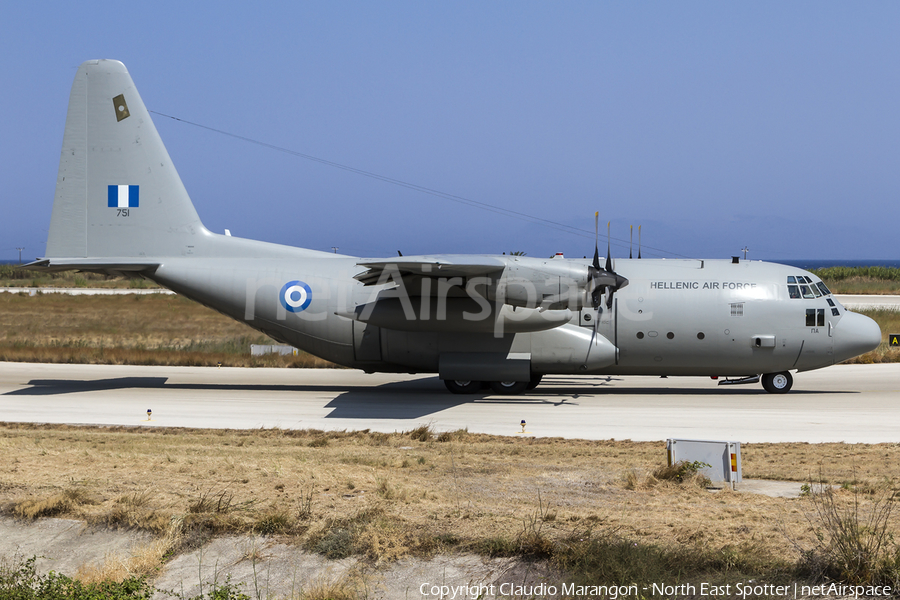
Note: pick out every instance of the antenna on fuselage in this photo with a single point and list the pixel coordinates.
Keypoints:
(630, 239)
(609, 263)
(639, 241)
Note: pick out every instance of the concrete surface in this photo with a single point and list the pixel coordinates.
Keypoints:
(863, 302)
(267, 568)
(262, 567)
(775, 489)
(849, 403)
(63, 545)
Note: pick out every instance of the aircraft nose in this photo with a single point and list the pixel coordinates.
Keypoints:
(855, 334)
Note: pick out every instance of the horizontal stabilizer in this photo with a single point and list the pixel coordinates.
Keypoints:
(95, 265)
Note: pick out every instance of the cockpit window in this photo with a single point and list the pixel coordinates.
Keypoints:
(801, 286)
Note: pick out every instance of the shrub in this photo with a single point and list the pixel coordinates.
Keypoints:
(57, 504)
(683, 471)
(422, 434)
(21, 582)
(854, 541)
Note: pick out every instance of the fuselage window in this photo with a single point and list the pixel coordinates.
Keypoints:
(835, 312)
(829, 301)
(794, 291)
(807, 293)
(820, 317)
(824, 288)
(810, 317)
(816, 290)
(792, 279)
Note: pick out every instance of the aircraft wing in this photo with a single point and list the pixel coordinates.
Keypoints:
(430, 266)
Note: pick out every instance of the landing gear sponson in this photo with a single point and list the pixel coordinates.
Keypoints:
(774, 383)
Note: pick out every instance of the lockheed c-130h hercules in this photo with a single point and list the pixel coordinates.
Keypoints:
(504, 321)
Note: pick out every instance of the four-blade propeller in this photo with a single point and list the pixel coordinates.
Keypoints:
(605, 278)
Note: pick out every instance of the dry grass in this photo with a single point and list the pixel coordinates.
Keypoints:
(13, 276)
(331, 589)
(889, 321)
(141, 330)
(387, 496)
(141, 561)
(68, 501)
(171, 330)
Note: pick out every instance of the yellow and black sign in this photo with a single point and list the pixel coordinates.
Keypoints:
(894, 340)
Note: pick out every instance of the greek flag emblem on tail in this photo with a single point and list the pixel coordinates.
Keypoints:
(123, 196)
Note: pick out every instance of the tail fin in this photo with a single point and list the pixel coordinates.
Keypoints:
(118, 197)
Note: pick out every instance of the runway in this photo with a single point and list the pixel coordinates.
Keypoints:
(849, 403)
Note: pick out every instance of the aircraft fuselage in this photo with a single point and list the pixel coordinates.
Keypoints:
(675, 317)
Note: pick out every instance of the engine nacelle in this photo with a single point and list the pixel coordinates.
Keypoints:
(545, 284)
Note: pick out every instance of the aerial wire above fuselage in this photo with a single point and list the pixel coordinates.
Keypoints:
(412, 186)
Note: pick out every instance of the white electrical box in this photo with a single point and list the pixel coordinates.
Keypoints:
(723, 458)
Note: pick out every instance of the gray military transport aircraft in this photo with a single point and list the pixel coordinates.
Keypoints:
(499, 321)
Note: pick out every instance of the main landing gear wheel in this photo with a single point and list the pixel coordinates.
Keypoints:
(462, 387)
(509, 387)
(777, 383)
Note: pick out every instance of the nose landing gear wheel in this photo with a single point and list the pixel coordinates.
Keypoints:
(462, 387)
(777, 383)
(509, 387)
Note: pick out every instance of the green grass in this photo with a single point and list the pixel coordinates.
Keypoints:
(861, 280)
(844, 273)
(20, 581)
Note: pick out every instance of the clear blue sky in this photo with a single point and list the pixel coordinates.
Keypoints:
(714, 125)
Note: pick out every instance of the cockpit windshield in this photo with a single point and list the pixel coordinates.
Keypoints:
(801, 286)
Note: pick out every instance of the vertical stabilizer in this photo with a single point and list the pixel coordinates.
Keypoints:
(117, 192)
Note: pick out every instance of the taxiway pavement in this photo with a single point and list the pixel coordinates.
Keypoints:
(849, 403)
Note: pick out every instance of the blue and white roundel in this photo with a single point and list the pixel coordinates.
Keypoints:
(295, 296)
